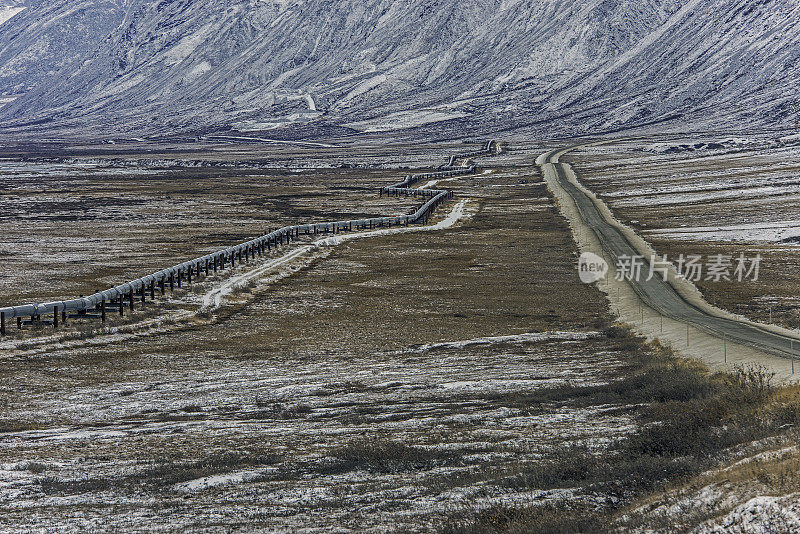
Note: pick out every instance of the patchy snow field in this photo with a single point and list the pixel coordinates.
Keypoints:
(386, 383)
(203, 442)
(707, 196)
(737, 184)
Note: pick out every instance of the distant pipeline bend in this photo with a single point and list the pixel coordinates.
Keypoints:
(127, 294)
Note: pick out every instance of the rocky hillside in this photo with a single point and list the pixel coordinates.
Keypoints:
(558, 66)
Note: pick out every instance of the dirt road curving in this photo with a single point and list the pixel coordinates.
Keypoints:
(675, 299)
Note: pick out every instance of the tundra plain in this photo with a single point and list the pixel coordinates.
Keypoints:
(457, 380)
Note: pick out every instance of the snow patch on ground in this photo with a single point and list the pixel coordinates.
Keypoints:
(405, 119)
(238, 477)
(516, 338)
(199, 70)
(7, 12)
(759, 515)
(187, 45)
(771, 232)
(693, 198)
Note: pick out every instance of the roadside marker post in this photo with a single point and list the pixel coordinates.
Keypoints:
(725, 347)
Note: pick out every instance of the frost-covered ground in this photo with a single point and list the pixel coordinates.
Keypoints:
(204, 442)
(73, 225)
(707, 196)
(550, 66)
(756, 492)
(391, 382)
(394, 382)
(694, 191)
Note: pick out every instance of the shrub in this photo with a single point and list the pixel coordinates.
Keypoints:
(387, 457)
(57, 486)
(551, 518)
(561, 468)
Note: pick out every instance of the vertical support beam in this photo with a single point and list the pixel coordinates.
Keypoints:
(103, 310)
(120, 301)
(189, 275)
(206, 266)
(19, 323)
(130, 300)
(55, 317)
(153, 290)
(144, 292)
(2, 323)
(172, 281)
(64, 316)
(180, 277)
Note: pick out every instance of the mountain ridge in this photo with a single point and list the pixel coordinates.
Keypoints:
(151, 66)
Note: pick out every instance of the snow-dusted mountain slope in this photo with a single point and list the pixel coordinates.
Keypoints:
(48, 37)
(8, 11)
(572, 65)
